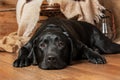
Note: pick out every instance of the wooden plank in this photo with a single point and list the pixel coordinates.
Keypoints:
(82, 70)
(8, 2)
(8, 21)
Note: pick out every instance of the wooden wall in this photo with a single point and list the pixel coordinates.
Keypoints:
(8, 22)
(8, 2)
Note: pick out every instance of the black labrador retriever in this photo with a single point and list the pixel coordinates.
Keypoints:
(58, 42)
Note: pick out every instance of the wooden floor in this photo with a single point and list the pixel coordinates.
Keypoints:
(80, 71)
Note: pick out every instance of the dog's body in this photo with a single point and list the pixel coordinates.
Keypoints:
(57, 42)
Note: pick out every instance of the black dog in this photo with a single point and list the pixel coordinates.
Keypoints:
(57, 42)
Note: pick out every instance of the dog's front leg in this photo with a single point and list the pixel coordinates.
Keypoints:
(92, 56)
(24, 59)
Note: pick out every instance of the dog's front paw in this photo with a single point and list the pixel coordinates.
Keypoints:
(97, 59)
(22, 62)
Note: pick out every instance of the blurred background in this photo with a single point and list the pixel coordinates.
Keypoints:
(8, 22)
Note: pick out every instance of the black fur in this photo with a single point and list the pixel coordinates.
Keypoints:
(27, 1)
(64, 41)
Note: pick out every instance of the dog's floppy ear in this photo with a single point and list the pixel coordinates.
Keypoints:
(32, 53)
(72, 35)
(33, 56)
(33, 42)
(72, 52)
(73, 47)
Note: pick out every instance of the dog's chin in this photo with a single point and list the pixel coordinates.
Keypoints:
(52, 67)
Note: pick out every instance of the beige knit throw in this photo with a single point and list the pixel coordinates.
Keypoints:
(28, 15)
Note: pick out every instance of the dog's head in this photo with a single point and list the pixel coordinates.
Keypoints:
(53, 50)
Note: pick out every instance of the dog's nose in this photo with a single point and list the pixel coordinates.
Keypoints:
(51, 59)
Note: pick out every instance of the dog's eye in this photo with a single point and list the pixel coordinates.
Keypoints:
(60, 44)
(43, 45)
